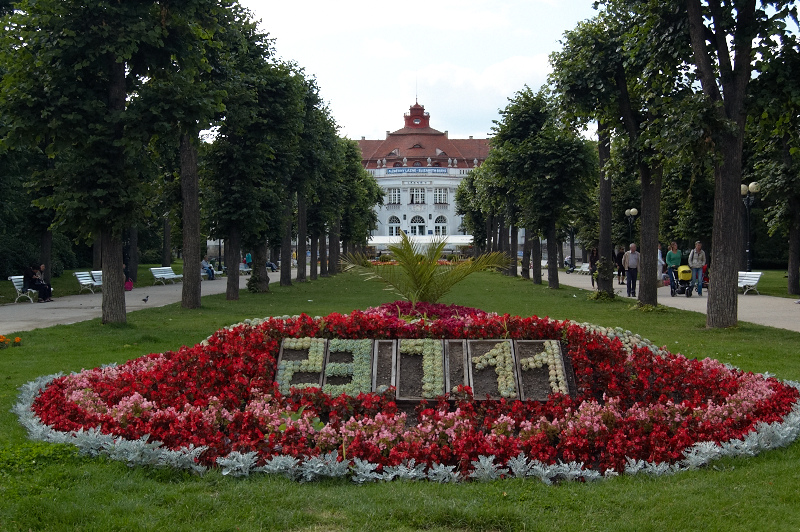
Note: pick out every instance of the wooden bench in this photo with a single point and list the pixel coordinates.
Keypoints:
(87, 282)
(164, 274)
(30, 293)
(748, 281)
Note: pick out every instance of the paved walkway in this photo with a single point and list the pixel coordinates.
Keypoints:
(25, 316)
(765, 310)
(771, 311)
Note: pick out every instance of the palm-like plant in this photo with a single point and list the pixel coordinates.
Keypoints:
(418, 276)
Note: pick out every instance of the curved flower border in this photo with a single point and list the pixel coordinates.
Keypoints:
(433, 322)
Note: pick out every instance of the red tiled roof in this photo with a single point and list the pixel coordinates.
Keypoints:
(433, 144)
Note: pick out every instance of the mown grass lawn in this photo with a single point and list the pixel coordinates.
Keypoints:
(48, 487)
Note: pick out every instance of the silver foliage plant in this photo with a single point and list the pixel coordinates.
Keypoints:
(143, 452)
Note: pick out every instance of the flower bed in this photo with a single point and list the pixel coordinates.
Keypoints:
(638, 407)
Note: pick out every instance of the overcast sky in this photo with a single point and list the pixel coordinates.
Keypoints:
(462, 59)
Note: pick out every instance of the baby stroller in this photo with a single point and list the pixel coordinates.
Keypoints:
(683, 281)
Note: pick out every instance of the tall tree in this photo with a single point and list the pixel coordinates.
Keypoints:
(546, 162)
(725, 39)
(774, 129)
(255, 148)
(601, 73)
(67, 85)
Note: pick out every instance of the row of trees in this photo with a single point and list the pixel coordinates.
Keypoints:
(101, 111)
(691, 97)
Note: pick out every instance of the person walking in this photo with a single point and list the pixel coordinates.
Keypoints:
(620, 267)
(697, 259)
(631, 263)
(673, 261)
(593, 258)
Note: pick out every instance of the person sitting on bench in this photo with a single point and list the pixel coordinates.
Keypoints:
(34, 279)
(209, 269)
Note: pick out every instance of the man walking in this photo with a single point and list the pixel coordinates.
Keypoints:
(631, 263)
(697, 259)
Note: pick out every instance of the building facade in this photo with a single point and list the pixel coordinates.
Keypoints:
(419, 169)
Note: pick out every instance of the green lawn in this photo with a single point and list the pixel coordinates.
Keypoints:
(774, 283)
(47, 487)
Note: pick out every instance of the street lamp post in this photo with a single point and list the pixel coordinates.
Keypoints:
(631, 215)
(748, 198)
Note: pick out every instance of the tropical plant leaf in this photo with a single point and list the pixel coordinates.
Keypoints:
(418, 276)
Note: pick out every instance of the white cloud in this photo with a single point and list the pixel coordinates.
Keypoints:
(463, 57)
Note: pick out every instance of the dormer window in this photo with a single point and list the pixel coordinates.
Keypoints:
(416, 146)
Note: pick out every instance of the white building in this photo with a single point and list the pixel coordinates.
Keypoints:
(419, 169)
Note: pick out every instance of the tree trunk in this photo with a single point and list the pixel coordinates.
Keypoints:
(536, 259)
(649, 276)
(113, 278)
(323, 255)
(113, 306)
(233, 245)
(46, 254)
(552, 255)
(573, 257)
(513, 251)
(260, 267)
(286, 245)
(302, 234)
(722, 307)
(166, 247)
(526, 254)
(314, 257)
(793, 286)
(133, 253)
(97, 254)
(605, 283)
(491, 233)
(793, 281)
(333, 267)
(190, 192)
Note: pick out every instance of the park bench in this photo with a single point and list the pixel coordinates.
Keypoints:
(244, 270)
(584, 269)
(748, 281)
(30, 293)
(164, 274)
(87, 282)
(97, 275)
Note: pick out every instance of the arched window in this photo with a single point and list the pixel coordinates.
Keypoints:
(417, 225)
(398, 164)
(417, 163)
(394, 226)
(440, 226)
